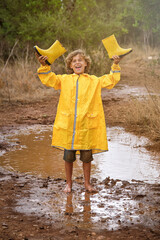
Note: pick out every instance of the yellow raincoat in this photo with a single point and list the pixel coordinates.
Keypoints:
(80, 121)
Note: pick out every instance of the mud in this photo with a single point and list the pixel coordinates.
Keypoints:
(34, 208)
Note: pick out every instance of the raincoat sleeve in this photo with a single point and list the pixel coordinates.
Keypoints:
(111, 79)
(49, 78)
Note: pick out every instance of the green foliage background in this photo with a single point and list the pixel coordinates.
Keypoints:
(76, 23)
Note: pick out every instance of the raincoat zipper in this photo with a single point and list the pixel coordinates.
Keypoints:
(75, 114)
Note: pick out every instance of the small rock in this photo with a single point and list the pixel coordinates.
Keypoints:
(58, 179)
(63, 231)
(139, 196)
(94, 180)
(41, 227)
(21, 185)
(100, 238)
(69, 213)
(20, 235)
(4, 225)
(45, 185)
(35, 225)
(103, 220)
(72, 230)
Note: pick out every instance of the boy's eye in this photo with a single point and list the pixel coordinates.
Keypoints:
(77, 60)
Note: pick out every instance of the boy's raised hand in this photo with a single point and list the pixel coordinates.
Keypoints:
(41, 59)
(116, 59)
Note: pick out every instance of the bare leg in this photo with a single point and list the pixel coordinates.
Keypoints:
(69, 170)
(87, 173)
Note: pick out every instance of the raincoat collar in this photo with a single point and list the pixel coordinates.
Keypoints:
(83, 74)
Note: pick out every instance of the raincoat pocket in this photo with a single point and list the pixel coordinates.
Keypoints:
(63, 120)
(92, 120)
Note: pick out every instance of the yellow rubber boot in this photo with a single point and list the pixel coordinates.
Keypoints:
(54, 52)
(111, 45)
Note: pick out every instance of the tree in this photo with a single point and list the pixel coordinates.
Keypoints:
(77, 23)
(145, 20)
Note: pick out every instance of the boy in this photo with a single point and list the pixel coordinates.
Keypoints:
(80, 123)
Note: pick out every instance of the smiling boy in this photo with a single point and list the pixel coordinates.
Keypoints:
(79, 125)
(78, 64)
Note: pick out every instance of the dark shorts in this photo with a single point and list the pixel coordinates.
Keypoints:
(85, 155)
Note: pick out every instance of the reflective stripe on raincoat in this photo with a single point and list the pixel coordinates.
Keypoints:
(80, 122)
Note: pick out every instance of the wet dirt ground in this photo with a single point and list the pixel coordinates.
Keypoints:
(35, 208)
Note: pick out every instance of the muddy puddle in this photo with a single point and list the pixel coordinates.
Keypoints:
(117, 204)
(123, 91)
(127, 178)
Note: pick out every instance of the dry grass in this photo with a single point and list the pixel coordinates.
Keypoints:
(144, 115)
(142, 52)
(136, 115)
(19, 82)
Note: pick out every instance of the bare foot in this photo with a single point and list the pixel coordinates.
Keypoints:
(68, 188)
(90, 189)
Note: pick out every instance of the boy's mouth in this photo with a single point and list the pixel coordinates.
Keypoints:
(78, 67)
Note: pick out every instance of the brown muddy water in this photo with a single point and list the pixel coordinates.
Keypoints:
(127, 178)
(126, 159)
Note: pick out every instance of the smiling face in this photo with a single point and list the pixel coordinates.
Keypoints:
(78, 64)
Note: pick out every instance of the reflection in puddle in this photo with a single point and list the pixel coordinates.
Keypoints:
(125, 160)
(114, 206)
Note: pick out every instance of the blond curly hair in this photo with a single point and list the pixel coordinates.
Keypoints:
(69, 59)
